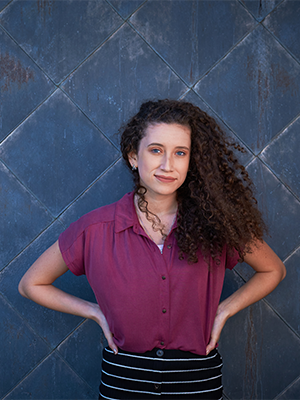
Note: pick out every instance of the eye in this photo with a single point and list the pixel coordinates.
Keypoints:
(180, 153)
(155, 151)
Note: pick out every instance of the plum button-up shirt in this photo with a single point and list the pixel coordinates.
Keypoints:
(151, 299)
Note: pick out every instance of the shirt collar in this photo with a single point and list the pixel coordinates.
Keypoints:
(126, 217)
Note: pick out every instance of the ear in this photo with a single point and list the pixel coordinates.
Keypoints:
(132, 157)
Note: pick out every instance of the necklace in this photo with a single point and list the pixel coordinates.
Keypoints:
(148, 233)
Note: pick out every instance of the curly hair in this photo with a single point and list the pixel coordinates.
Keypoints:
(216, 205)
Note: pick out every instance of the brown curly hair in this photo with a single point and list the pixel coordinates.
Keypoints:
(216, 206)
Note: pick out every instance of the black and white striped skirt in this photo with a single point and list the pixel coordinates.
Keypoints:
(161, 374)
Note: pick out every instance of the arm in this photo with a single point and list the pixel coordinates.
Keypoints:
(36, 285)
(269, 272)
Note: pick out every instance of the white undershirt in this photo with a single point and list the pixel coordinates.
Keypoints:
(160, 246)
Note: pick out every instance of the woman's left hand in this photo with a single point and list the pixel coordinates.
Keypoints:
(269, 272)
(218, 325)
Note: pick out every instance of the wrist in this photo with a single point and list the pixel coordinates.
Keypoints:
(93, 311)
(223, 311)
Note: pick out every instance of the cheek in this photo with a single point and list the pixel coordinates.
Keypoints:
(148, 164)
(185, 168)
(187, 165)
(143, 170)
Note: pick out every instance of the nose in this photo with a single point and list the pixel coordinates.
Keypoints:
(167, 163)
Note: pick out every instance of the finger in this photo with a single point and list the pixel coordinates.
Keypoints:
(111, 343)
(109, 336)
(211, 345)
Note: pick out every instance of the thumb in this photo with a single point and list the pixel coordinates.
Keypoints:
(110, 341)
(106, 331)
(211, 345)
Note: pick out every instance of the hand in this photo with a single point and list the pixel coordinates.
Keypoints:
(36, 285)
(101, 320)
(218, 325)
(269, 272)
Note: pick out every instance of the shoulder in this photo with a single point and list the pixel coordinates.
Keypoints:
(105, 214)
(99, 215)
(97, 222)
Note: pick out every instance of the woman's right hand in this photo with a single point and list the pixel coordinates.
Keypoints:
(101, 320)
(36, 285)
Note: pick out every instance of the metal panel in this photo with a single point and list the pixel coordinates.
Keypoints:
(71, 72)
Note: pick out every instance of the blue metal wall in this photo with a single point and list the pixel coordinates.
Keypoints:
(71, 72)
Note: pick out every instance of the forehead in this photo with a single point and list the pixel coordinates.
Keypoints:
(162, 132)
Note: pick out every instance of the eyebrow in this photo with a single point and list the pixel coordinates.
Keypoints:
(161, 145)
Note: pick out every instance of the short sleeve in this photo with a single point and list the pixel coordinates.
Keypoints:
(71, 243)
(232, 258)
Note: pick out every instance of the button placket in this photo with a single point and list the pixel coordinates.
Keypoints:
(164, 297)
(157, 363)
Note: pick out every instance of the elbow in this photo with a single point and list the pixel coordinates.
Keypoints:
(280, 272)
(283, 272)
(22, 289)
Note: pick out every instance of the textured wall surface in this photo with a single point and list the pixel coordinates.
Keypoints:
(71, 71)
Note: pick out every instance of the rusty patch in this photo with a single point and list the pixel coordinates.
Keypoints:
(194, 40)
(45, 7)
(258, 72)
(12, 71)
(284, 80)
(250, 378)
(263, 85)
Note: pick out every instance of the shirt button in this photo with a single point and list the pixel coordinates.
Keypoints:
(156, 386)
(169, 246)
(162, 343)
(164, 310)
(160, 353)
(163, 277)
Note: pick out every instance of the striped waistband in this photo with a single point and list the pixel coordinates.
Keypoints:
(166, 354)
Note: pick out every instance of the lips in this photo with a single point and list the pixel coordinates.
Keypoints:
(165, 179)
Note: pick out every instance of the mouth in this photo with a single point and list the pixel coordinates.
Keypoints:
(165, 179)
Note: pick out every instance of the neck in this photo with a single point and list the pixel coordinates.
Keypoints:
(161, 205)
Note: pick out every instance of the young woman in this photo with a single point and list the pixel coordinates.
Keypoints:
(156, 258)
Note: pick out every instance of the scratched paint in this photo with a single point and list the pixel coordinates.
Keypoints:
(13, 72)
(114, 65)
(260, 8)
(250, 376)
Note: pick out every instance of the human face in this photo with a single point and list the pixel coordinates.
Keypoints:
(163, 158)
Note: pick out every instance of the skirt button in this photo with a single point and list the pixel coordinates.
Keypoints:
(159, 353)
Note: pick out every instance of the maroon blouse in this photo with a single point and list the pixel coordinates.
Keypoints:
(150, 299)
